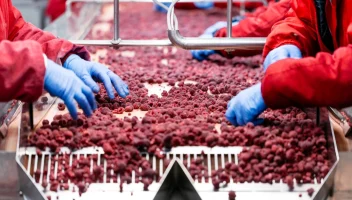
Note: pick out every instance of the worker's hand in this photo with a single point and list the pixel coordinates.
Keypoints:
(282, 52)
(201, 55)
(246, 106)
(86, 70)
(204, 5)
(64, 84)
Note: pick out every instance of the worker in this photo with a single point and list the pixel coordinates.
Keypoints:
(319, 31)
(255, 24)
(31, 59)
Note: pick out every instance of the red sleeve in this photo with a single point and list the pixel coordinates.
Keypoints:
(259, 26)
(56, 49)
(22, 70)
(298, 29)
(325, 80)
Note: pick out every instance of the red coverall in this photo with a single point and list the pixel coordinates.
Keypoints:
(256, 24)
(323, 80)
(55, 8)
(22, 47)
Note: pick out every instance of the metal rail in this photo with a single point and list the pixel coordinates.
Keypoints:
(123, 43)
(175, 39)
(215, 43)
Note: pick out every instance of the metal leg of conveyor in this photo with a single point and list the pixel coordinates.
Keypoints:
(229, 18)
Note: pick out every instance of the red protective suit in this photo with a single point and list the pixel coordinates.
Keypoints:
(22, 46)
(323, 80)
(256, 24)
(55, 8)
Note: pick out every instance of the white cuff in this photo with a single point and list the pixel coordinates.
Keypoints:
(45, 60)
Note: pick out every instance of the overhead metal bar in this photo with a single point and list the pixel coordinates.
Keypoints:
(175, 38)
(123, 43)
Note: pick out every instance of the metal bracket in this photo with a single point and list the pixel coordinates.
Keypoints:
(177, 183)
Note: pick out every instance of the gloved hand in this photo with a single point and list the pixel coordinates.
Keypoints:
(201, 55)
(161, 9)
(85, 70)
(204, 5)
(282, 52)
(246, 106)
(64, 84)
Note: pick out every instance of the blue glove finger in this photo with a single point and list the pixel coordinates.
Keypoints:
(295, 52)
(240, 115)
(71, 107)
(196, 55)
(83, 103)
(230, 113)
(119, 85)
(107, 83)
(90, 97)
(87, 79)
(231, 117)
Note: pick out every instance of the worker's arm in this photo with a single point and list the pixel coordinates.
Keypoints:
(325, 80)
(298, 28)
(56, 49)
(257, 26)
(21, 70)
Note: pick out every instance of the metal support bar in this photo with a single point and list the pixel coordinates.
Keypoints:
(229, 18)
(247, 43)
(123, 43)
(116, 20)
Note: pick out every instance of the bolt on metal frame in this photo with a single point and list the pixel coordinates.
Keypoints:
(175, 38)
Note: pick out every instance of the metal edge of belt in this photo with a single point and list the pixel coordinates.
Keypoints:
(327, 186)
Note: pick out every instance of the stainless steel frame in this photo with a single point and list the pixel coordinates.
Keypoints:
(28, 161)
(23, 185)
(175, 38)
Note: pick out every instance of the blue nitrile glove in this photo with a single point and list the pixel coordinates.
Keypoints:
(204, 5)
(280, 53)
(161, 9)
(64, 84)
(85, 70)
(201, 55)
(246, 106)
